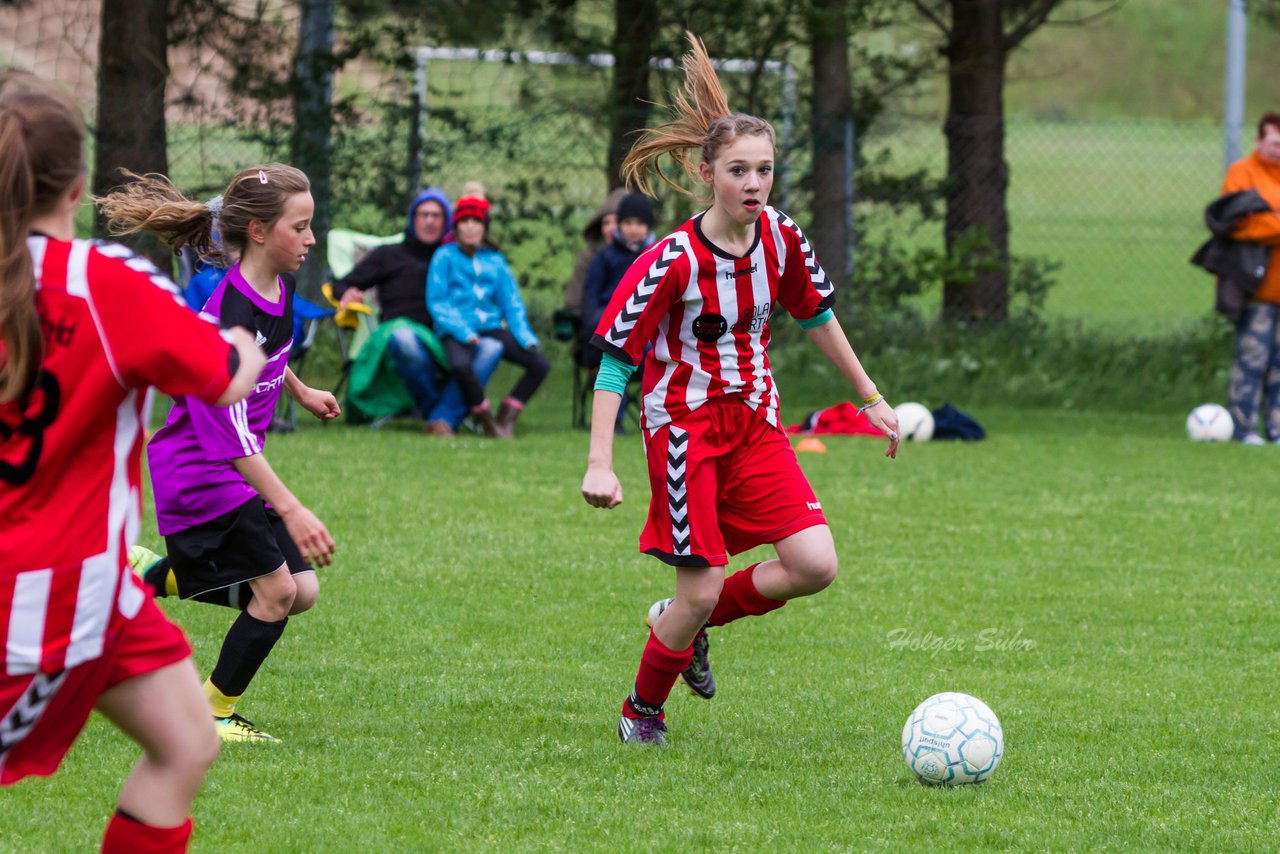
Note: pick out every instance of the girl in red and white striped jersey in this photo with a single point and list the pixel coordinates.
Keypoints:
(723, 476)
(85, 329)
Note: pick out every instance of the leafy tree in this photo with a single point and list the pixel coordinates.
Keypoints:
(831, 229)
(977, 38)
(634, 33)
(130, 132)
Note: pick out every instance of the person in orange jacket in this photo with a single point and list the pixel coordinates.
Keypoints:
(1255, 372)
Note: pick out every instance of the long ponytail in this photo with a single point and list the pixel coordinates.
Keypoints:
(701, 120)
(41, 156)
(153, 204)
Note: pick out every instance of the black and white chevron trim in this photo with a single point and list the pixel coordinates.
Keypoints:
(20, 719)
(138, 263)
(818, 275)
(677, 495)
(626, 319)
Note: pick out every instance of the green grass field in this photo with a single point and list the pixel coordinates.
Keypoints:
(1104, 584)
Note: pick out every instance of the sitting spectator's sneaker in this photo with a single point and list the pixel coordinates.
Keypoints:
(236, 728)
(698, 674)
(437, 428)
(141, 559)
(482, 416)
(508, 415)
(642, 730)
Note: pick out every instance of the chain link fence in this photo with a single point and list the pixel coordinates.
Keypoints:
(1116, 206)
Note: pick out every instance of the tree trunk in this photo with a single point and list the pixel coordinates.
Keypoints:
(130, 133)
(635, 27)
(977, 174)
(831, 227)
(313, 130)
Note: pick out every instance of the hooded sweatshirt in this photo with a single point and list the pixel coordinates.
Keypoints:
(399, 270)
(1254, 173)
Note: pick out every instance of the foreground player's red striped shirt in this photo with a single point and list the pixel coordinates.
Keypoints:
(70, 453)
(706, 314)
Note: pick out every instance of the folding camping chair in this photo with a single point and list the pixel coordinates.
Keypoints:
(307, 317)
(567, 328)
(352, 324)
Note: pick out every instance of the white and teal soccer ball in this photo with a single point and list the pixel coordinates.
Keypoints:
(915, 422)
(952, 739)
(1210, 422)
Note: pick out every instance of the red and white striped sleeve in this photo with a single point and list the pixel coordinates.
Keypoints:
(644, 296)
(151, 338)
(803, 287)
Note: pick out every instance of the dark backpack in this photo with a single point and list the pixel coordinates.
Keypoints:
(951, 423)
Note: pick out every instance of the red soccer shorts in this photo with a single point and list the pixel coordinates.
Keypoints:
(722, 481)
(41, 714)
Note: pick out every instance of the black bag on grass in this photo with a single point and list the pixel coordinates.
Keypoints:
(951, 423)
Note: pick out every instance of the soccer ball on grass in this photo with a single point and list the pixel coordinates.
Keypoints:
(952, 739)
(915, 422)
(1210, 422)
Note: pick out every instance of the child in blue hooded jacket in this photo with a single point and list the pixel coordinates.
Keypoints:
(473, 298)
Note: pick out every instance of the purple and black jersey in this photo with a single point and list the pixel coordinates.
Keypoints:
(191, 455)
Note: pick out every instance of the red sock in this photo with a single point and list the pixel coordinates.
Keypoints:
(660, 666)
(126, 835)
(739, 599)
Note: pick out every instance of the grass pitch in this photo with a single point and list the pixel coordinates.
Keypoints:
(1106, 586)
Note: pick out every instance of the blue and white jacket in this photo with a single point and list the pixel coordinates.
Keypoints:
(471, 294)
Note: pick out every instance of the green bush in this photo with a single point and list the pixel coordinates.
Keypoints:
(1026, 363)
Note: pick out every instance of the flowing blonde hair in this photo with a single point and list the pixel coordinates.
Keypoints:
(41, 156)
(700, 119)
(213, 229)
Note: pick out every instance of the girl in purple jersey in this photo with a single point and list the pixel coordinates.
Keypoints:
(236, 535)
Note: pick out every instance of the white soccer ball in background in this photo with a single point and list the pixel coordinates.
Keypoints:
(952, 739)
(1210, 422)
(915, 422)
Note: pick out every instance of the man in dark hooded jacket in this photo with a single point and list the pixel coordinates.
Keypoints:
(398, 272)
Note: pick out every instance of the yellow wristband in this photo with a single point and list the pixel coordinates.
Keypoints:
(871, 401)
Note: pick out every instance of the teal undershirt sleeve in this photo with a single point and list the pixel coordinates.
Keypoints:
(613, 375)
(816, 320)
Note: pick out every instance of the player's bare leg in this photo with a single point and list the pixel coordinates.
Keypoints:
(165, 712)
(806, 564)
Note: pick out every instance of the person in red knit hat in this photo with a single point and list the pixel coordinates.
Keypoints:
(473, 295)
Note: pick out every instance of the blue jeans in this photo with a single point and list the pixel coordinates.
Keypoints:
(418, 371)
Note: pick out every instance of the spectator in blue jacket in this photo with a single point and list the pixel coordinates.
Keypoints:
(398, 273)
(473, 296)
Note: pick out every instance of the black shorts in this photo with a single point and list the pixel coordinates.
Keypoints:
(243, 544)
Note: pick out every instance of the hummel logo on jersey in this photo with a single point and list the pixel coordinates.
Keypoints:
(814, 505)
(259, 338)
(738, 274)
